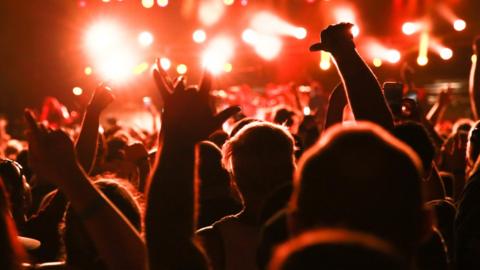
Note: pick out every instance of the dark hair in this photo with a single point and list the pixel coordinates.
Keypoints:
(473, 147)
(361, 178)
(336, 249)
(416, 136)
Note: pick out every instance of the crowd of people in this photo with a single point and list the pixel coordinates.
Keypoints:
(371, 185)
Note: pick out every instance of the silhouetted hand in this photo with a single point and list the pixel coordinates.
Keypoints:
(187, 115)
(102, 97)
(336, 37)
(51, 152)
(445, 96)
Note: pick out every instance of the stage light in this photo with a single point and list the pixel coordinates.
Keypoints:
(306, 110)
(182, 69)
(459, 25)
(446, 53)
(325, 60)
(217, 54)
(393, 56)
(410, 28)
(210, 11)
(249, 36)
(148, 3)
(88, 71)
(77, 91)
(199, 36)
(300, 33)
(139, 69)
(266, 23)
(162, 3)
(227, 67)
(422, 60)
(165, 63)
(377, 62)
(344, 14)
(145, 39)
(117, 66)
(268, 47)
(228, 2)
(147, 100)
(103, 36)
(355, 31)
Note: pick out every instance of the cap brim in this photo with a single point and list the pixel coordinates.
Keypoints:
(29, 243)
(316, 47)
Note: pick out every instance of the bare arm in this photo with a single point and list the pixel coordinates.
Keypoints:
(52, 156)
(170, 217)
(363, 91)
(87, 142)
(474, 87)
(336, 104)
(438, 109)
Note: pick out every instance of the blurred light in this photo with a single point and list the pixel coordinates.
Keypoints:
(393, 56)
(377, 62)
(268, 47)
(103, 36)
(266, 23)
(459, 25)
(105, 1)
(422, 60)
(147, 100)
(355, 31)
(165, 63)
(199, 36)
(228, 2)
(145, 39)
(410, 28)
(344, 14)
(181, 69)
(77, 91)
(140, 68)
(306, 110)
(300, 33)
(217, 54)
(244, 2)
(117, 65)
(210, 11)
(82, 3)
(446, 53)
(148, 3)
(162, 3)
(227, 67)
(249, 36)
(325, 63)
(88, 71)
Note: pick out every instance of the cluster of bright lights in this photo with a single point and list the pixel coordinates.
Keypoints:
(380, 53)
(218, 54)
(266, 46)
(269, 24)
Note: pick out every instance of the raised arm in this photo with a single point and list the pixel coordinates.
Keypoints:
(474, 87)
(363, 91)
(53, 157)
(170, 219)
(438, 109)
(336, 104)
(86, 145)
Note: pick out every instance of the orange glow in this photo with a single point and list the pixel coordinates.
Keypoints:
(218, 53)
(182, 69)
(199, 36)
(77, 91)
(88, 71)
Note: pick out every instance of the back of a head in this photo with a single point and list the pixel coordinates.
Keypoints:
(416, 136)
(284, 116)
(79, 247)
(210, 169)
(336, 249)
(260, 158)
(362, 178)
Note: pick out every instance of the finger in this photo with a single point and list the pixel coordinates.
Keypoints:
(164, 75)
(206, 84)
(31, 121)
(161, 84)
(180, 84)
(222, 116)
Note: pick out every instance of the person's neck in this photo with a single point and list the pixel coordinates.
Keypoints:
(251, 214)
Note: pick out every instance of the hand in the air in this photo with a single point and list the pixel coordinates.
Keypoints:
(335, 37)
(102, 97)
(51, 152)
(187, 114)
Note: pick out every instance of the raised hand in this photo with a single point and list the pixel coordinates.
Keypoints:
(187, 114)
(101, 98)
(335, 37)
(51, 152)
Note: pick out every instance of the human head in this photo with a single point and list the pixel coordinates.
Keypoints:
(284, 116)
(362, 178)
(80, 249)
(260, 158)
(336, 249)
(473, 145)
(416, 136)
